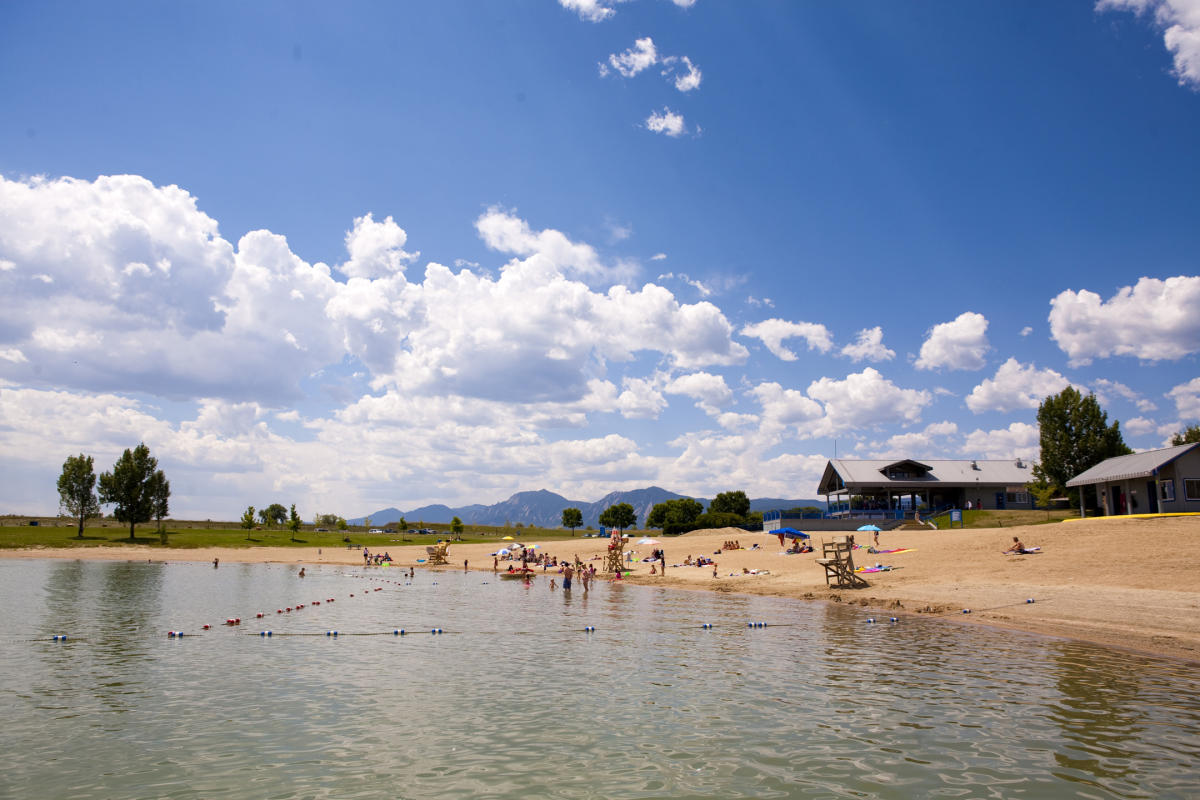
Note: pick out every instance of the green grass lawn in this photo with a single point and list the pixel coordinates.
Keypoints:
(184, 535)
(1008, 519)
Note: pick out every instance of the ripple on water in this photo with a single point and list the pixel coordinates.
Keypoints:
(515, 700)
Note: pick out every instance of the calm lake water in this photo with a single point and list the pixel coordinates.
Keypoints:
(516, 699)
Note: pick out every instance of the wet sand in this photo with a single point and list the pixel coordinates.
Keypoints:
(1130, 583)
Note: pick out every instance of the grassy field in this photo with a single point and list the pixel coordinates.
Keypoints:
(16, 532)
(1008, 519)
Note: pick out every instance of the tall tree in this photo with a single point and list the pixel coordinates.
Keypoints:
(248, 520)
(572, 518)
(619, 516)
(264, 516)
(730, 503)
(77, 489)
(1075, 436)
(160, 500)
(130, 486)
(293, 521)
(456, 526)
(1189, 436)
(674, 516)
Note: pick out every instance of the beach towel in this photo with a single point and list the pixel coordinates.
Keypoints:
(1028, 551)
(896, 550)
(876, 568)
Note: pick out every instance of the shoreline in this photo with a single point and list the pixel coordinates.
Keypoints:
(1125, 583)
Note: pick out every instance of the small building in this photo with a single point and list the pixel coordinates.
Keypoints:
(1153, 482)
(890, 488)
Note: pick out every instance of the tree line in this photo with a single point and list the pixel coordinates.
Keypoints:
(683, 514)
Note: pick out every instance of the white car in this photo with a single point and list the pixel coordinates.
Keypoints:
(375, 530)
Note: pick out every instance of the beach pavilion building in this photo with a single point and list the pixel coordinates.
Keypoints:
(889, 488)
(1154, 482)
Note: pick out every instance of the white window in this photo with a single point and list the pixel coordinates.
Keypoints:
(1017, 498)
(1166, 491)
(1191, 488)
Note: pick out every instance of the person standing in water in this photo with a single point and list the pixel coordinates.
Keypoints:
(568, 571)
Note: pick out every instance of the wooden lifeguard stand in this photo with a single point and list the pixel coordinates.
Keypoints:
(614, 559)
(838, 561)
(437, 554)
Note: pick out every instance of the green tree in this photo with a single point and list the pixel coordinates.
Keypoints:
(731, 503)
(674, 516)
(327, 520)
(1075, 436)
(248, 520)
(403, 524)
(456, 526)
(293, 521)
(77, 489)
(341, 524)
(160, 499)
(572, 518)
(264, 516)
(1189, 436)
(276, 513)
(619, 516)
(130, 487)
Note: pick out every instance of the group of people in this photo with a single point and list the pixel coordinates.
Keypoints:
(376, 559)
(732, 544)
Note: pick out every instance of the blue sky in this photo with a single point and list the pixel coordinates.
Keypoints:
(372, 254)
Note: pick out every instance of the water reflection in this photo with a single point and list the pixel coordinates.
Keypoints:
(517, 700)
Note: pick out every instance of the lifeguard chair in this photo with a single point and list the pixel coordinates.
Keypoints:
(615, 557)
(437, 554)
(838, 561)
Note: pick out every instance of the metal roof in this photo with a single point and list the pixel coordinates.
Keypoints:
(1136, 465)
(856, 473)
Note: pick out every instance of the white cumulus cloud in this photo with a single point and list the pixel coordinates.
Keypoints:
(1179, 21)
(668, 122)
(774, 332)
(590, 10)
(641, 56)
(864, 400)
(1187, 400)
(959, 344)
(709, 391)
(1018, 440)
(1014, 387)
(868, 346)
(1154, 320)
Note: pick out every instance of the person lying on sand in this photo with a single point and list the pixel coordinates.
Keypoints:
(1019, 549)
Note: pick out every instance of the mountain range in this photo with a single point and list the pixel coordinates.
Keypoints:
(544, 508)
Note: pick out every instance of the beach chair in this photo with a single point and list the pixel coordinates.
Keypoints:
(838, 561)
(437, 554)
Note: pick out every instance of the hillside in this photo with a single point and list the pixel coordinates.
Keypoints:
(544, 508)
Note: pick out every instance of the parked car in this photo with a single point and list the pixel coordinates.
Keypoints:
(375, 530)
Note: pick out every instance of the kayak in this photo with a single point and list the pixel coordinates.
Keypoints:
(513, 576)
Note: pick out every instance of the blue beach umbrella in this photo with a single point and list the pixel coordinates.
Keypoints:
(875, 528)
(790, 533)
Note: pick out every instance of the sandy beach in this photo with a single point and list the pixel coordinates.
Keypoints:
(1130, 583)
